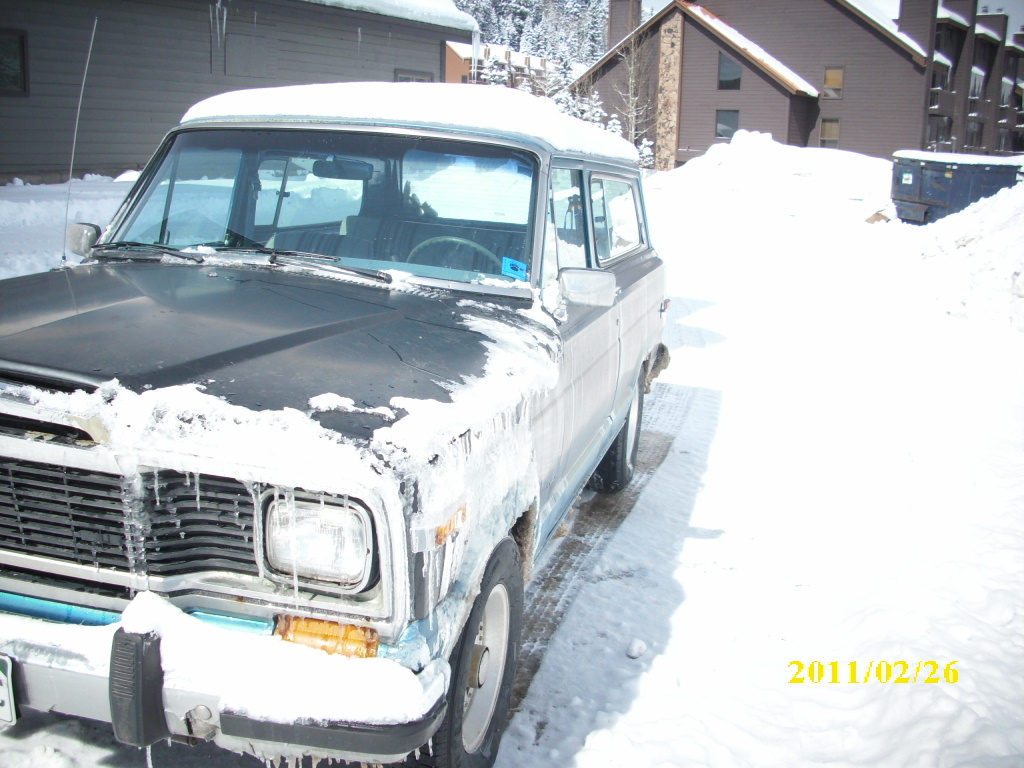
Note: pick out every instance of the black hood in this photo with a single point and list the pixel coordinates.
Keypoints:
(259, 338)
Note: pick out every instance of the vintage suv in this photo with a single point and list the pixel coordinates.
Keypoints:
(277, 457)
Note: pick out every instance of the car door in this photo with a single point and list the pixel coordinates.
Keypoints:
(622, 247)
(572, 423)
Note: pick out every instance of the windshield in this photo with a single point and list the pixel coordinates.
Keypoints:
(435, 208)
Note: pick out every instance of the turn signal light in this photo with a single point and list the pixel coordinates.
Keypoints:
(329, 636)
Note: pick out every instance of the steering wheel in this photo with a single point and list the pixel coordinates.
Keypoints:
(451, 240)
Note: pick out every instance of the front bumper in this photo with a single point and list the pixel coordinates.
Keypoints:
(135, 681)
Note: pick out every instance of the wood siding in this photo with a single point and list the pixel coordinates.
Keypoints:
(763, 104)
(152, 59)
(883, 103)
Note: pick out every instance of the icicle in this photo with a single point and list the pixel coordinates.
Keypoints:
(149, 756)
(290, 500)
(359, 39)
(199, 504)
(257, 528)
(473, 73)
(136, 527)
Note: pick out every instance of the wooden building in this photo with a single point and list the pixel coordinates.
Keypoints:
(828, 73)
(152, 59)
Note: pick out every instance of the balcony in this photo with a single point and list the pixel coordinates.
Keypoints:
(941, 102)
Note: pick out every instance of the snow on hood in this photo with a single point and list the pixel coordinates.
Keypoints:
(488, 110)
(483, 431)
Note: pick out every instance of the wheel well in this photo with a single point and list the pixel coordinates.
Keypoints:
(524, 533)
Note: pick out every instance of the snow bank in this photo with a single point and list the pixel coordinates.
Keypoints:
(844, 485)
(32, 220)
(753, 181)
(978, 258)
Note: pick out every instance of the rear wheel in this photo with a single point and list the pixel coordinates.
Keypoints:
(617, 467)
(483, 667)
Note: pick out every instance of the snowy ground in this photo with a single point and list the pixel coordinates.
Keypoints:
(845, 484)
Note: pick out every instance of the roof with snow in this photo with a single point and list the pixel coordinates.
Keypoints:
(754, 54)
(483, 111)
(503, 53)
(442, 13)
(882, 15)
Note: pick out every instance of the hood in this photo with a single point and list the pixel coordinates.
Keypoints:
(258, 338)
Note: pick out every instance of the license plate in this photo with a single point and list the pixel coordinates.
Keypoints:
(7, 716)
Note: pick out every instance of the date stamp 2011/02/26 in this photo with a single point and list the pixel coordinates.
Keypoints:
(874, 671)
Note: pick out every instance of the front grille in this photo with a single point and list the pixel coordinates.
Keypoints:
(164, 524)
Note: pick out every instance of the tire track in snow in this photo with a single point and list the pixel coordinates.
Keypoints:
(555, 585)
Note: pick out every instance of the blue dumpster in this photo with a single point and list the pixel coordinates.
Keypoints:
(929, 185)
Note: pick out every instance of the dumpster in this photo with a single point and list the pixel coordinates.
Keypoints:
(929, 185)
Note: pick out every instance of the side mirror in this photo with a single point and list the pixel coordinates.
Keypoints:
(588, 287)
(82, 237)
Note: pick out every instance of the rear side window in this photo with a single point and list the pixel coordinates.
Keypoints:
(616, 222)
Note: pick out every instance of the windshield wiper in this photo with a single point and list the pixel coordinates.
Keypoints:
(163, 250)
(328, 263)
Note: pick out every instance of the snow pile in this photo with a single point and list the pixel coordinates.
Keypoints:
(845, 486)
(755, 182)
(32, 220)
(979, 258)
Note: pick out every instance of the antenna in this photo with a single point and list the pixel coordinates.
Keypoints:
(74, 141)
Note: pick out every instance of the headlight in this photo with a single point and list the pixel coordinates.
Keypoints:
(329, 540)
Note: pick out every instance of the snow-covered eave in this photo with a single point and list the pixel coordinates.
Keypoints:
(940, 58)
(944, 14)
(982, 31)
(438, 13)
(753, 53)
(889, 30)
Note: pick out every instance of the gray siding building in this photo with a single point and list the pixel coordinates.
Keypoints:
(828, 73)
(152, 59)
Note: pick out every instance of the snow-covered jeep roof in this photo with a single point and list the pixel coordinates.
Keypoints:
(492, 111)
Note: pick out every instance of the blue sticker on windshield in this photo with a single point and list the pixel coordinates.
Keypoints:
(514, 269)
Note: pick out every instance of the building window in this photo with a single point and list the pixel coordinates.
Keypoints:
(833, 83)
(829, 132)
(412, 76)
(1005, 140)
(1006, 92)
(975, 134)
(13, 63)
(728, 73)
(939, 131)
(727, 122)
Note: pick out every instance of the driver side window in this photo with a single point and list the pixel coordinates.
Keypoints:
(565, 242)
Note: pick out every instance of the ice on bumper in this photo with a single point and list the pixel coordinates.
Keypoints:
(261, 677)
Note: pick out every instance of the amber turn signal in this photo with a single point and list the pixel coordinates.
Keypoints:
(329, 636)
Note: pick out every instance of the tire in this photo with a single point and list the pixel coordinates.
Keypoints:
(617, 467)
(480, 693)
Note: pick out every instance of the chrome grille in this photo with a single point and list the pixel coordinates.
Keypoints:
(168, 525)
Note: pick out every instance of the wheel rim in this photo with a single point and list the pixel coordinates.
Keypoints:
(486, 669)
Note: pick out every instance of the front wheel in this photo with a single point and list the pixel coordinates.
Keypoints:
(483, 667)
